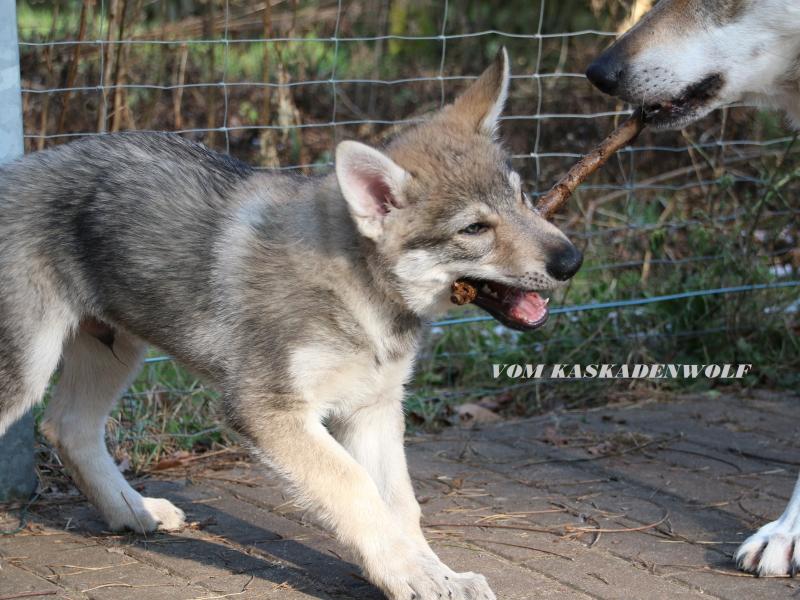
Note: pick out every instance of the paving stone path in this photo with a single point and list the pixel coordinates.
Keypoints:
(641, 500)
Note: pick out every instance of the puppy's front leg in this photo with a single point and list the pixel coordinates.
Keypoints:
(373, 435)
(333, 484)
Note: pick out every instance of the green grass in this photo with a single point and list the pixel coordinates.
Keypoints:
(167, 410)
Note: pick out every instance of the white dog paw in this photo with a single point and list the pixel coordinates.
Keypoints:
(773, 551)
(145, 515)
(430, 579)
(472, 586)
(165, 514)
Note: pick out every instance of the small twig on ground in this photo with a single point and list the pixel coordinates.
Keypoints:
(41, 502)
(757, 518)
(252, 483)
(220, 596)
(599, 577)
(552, 531)
(23, 516)
(135, 516)
(601, 456)
(707, 569)
(700, 542)
(286, 586)
(523, 546)
(708, 456)
(771, 459)
(573, 529)
(514, 515)
(29, 594)
(85, 569)
(566, 530)
(595, 539)
(174, 463)
(126, 585)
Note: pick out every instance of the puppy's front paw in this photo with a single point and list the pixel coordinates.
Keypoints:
(773, 551)
(472, 585)
(165, 514)
(425, 577)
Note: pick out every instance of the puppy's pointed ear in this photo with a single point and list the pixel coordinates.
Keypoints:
(372, 183)
(480, 106)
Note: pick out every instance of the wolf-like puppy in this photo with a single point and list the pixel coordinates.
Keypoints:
(302, 299)
(684, 59)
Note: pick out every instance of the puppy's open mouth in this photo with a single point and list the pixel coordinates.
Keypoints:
(685, 108)
(516, 308)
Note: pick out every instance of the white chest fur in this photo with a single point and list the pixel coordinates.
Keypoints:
(336, 382)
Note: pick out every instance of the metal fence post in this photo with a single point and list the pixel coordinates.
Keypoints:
(17, 478)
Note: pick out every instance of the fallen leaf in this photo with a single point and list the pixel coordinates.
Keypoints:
(601, 449)
(552, 436)
(495, 403)
(471, 413)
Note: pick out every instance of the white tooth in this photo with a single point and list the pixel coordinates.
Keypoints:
(546, 301)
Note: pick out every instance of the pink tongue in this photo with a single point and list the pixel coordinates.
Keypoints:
(528, 307)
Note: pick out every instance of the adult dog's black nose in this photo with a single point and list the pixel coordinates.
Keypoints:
(606, 72)
(565, 262)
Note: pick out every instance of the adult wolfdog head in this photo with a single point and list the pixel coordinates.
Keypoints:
(687, 57)
(442, 203)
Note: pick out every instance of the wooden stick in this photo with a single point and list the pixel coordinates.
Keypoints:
(462, 293)
(558, 195)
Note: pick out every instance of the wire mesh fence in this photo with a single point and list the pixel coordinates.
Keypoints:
(691, 237)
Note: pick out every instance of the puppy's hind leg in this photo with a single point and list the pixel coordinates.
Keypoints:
(93, 377)
(32, 332)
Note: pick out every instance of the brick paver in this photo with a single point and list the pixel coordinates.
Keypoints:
(645, 499)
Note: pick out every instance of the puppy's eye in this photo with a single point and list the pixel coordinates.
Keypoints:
(475, 229)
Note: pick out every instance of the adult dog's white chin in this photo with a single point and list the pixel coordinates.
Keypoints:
(658, 117)
(693, 103)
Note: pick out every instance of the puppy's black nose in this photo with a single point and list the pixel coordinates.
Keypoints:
(565, 262)
(606, 73)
